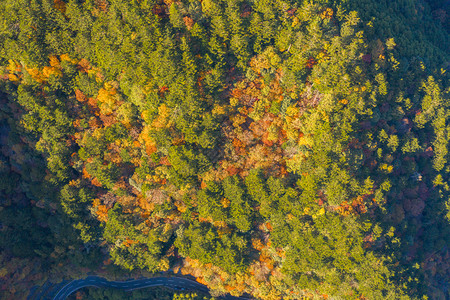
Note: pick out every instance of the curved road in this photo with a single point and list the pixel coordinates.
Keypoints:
(96, 281)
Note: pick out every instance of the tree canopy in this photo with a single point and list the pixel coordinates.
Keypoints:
(283, 149)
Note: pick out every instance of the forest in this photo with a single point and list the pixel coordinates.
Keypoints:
(283, 149)
(140, 294)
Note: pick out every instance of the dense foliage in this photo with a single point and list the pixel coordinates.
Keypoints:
(156, 293)
(284, 149)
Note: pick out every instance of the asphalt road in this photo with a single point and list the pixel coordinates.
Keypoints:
(129, 285)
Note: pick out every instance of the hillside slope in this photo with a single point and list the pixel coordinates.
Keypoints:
(284, 149)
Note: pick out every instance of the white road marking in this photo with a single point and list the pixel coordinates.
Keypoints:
(130, 284)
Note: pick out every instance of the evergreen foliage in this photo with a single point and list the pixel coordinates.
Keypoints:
(284, 149)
